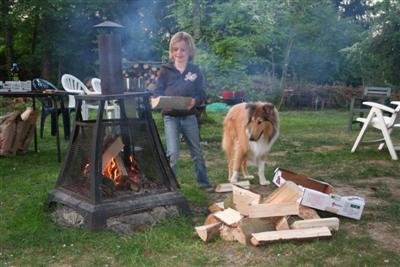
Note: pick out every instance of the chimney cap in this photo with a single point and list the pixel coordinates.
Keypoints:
(108, 24)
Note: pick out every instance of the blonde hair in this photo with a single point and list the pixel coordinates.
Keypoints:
(183, 36)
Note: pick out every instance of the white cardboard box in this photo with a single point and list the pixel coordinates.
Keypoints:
(348, 206)
(325, 199)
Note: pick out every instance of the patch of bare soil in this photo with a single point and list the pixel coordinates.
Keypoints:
(386, 234)
(327, 148)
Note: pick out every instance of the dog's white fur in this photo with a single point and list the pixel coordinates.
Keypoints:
(250, 130)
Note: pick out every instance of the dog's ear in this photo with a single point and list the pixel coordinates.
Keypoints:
(251, 108)
(269, 113)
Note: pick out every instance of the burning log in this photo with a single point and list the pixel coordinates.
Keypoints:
(111, 152)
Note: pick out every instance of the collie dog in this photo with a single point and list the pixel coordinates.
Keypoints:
(250, 130)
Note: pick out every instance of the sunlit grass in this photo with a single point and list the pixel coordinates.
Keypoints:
(312, 143)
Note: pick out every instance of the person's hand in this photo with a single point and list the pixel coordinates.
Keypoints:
(192, 103)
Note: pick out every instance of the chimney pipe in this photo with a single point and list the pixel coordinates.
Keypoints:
(109, 44)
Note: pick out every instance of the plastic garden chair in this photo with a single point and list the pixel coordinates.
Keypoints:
(384, 123)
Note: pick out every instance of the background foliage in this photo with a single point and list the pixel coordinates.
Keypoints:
(253, 45)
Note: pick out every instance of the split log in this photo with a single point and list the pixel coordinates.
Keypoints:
(288, 192)
(281, 223)
(121, 165)
(273, 210)
(243, 198)
(207, 232)
(211, 219)
(248, 226)
(227, 187)
(296, 234)
(218, 206)
(227, 233)
(229, 216)
(111, 152)
(331, 223)
(307, 213)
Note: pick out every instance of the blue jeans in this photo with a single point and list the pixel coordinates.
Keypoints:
(187, 126)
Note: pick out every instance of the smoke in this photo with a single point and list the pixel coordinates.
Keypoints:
(142, 38)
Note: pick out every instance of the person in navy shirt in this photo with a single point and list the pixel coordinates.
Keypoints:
(180, 77)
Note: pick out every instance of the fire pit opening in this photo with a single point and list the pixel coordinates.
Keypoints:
(116, 166)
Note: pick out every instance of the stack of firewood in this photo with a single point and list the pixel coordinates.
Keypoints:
(144, 74)
(249, 218)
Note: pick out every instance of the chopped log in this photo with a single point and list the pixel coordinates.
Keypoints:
(227, 187)
(307, 213)
(332, 223)
(121, 165)
(282, 224)
(229, 216)
(243, 198)
(218, 206)
(288, 192)
(207, 232)
(227, 233)
(296, 234)
(248, 226)
(111, 152)
(170, 102)
(273, 210)
(211, 219)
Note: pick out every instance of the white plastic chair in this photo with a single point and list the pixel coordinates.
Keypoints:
(72, 84)
(385, 124)
(111, 107)
(96, 84)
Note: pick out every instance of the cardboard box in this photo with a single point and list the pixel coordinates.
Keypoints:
(348, 206)
(321, 196)
(281, 175)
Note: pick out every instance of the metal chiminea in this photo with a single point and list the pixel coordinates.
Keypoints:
(115, 166)
(110, 60)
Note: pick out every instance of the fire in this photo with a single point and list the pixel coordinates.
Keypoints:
(112, 171)
(124, 177)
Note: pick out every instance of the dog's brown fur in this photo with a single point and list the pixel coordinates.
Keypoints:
(250, 129)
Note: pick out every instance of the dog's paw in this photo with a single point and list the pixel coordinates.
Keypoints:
(248, 177)
(234, 178)
(264, 181)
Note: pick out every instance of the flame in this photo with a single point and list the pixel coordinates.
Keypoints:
(112, 172)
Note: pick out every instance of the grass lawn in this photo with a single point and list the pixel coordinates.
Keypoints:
(311, 143)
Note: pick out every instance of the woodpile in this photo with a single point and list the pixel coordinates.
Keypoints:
(143, 74)
(250, 218)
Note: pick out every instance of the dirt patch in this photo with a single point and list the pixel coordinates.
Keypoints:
(386, 234)
(327, 148)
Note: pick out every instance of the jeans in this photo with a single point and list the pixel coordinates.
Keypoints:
(188, 127)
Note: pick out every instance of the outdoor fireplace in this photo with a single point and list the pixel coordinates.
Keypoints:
(115, 166)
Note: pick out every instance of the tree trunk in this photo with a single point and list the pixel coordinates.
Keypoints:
(34, 34)
(196, 19)
(284, 70)
(46, 65)
(8, 34)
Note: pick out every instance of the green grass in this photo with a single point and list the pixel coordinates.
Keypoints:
(312, 143)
